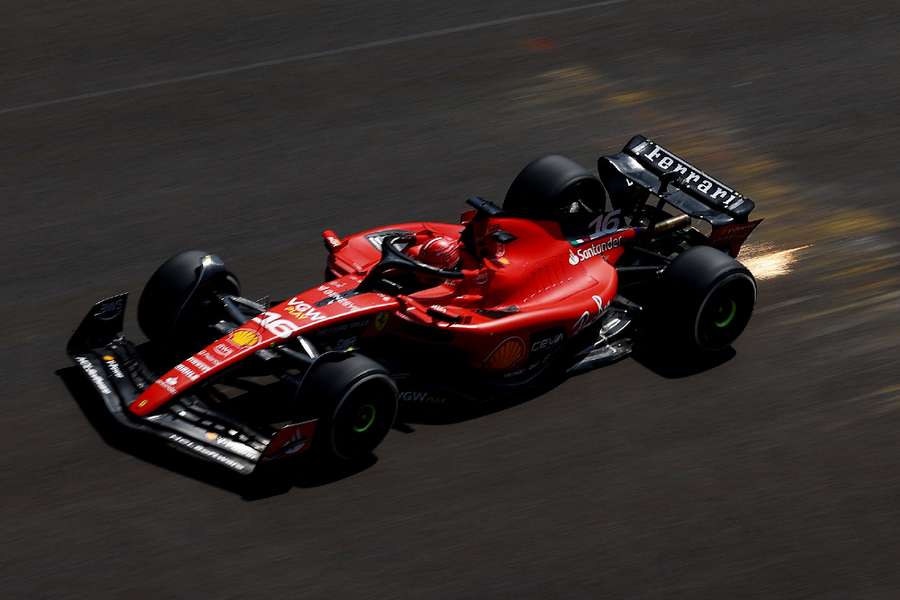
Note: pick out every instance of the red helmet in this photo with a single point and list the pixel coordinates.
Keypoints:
(441, 252)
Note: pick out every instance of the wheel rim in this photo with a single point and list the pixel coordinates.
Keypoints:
(725, 313)
(364, 418)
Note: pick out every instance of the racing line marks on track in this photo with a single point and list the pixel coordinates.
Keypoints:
(313, 55)
(784, 304)
(864, 303)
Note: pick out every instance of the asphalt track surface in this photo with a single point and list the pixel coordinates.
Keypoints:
(130, 131)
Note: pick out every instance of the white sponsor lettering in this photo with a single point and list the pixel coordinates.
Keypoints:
(93, 374)
(657, 150)
(232, 446)
(337, 297)
(666, 160)
(546, 343)
(273, 322)
(186, 371)
(113, 367)
(201, 366)
(207, 452)
(588, 318)
(303, 310)
(421, 397)
(223, 350)
(582, 254)
(734, 201)
(168, 384)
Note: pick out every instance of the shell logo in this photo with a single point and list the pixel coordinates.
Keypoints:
(509, 353)
(245, 338)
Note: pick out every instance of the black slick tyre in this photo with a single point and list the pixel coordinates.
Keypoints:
(706, 301)
(354, 399)
(178, 298)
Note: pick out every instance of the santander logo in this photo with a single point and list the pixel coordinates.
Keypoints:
(593, 250)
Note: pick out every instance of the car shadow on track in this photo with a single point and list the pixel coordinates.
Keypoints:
(305, 472)
(447, 409)
(264, 483)
(440, 409)
(679, 366)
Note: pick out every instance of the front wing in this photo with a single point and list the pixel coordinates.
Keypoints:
(116, 371)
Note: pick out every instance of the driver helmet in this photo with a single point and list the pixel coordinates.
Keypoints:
(441, 252)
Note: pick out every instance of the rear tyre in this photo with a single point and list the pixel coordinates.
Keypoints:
(179, 301)
(547, 186)
(706, 302)
(355, 400)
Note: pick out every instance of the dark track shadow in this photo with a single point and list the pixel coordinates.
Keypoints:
(458, 408)
(267, 481)
(442, 409)
(677, 366)
(434, 408)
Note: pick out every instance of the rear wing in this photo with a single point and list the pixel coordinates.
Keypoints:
(661, 172)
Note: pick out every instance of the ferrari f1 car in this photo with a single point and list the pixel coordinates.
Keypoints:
(573, 271)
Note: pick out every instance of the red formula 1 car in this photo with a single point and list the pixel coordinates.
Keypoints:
(573, 271)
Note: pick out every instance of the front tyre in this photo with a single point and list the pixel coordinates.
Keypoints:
(707, 300)
(179, 301)
(354, 399)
